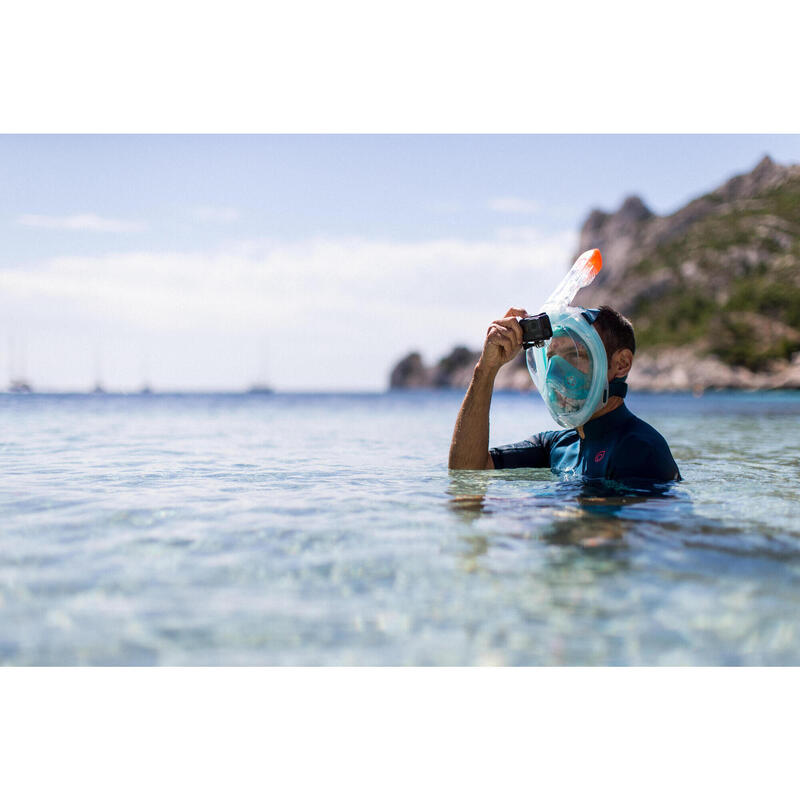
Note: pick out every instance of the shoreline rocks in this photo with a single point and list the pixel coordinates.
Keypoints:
(665, 371)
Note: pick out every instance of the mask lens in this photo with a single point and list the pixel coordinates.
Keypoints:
(568, 376)
(570, 349)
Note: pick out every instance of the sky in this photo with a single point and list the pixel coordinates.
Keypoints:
(308, 262)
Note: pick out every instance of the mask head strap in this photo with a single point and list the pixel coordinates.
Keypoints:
(590, 314)
(617, 388)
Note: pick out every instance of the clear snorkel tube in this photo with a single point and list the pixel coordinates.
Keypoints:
(583, 272)
(536, 330)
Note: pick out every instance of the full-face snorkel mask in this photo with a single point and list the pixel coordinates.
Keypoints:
(565, 355)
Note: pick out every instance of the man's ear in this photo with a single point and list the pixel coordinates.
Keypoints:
(621, 363)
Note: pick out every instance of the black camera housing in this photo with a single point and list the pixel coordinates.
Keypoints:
(536, 330)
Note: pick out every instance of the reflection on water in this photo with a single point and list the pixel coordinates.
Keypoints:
(328, 530)
(581, 512)
(593, 512)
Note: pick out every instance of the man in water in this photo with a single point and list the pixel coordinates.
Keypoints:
(612, 443)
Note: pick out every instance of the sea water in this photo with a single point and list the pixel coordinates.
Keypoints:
(327, 530)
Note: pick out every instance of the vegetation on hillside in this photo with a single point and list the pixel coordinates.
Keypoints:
(729, 285)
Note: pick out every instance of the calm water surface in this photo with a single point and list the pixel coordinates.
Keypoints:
(327, 530)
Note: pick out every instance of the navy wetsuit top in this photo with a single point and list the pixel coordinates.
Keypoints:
(617, 446)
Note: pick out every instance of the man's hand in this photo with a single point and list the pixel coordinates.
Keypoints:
(470, 446)
(503, 340)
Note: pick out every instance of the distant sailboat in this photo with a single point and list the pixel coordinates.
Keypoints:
(17, 384)
(146, 388)
(98, 371)
(261, 386)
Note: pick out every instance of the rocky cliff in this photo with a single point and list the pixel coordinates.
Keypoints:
(713, 290)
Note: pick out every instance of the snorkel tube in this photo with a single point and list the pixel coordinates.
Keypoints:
(571, 373)
(536, 330)
(583, 272)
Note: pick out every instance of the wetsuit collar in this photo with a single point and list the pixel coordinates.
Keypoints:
(595, 428)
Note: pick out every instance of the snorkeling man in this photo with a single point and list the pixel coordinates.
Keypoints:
(580, 367)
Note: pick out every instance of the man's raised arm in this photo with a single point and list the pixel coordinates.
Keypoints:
(470, 446)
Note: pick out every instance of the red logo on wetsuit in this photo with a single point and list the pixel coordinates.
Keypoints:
(600, 456)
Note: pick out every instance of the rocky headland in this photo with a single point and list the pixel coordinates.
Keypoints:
(713, 291)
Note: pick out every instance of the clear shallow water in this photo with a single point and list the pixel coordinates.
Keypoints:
(327, 530)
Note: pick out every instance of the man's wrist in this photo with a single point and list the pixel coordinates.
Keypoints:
(483, 372)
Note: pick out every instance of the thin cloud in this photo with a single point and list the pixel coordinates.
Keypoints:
(241, 283)
(520, 233)
(81, 222)
(514, 205)
(215, 214)
(330, 297)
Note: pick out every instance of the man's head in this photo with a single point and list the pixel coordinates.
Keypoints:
(586, 359)
(616, 333)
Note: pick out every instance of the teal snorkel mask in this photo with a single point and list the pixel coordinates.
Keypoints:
(570, 369)
(565, 355)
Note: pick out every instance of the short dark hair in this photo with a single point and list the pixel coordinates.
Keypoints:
(615, 330)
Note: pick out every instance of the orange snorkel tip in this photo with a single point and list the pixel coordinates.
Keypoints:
(594, 261)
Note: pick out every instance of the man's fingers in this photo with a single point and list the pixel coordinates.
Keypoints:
(495, 334)
(516, 330)
(511, 322)
(503, 343)
(498, 329)
(511, 325)
(503, 338)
